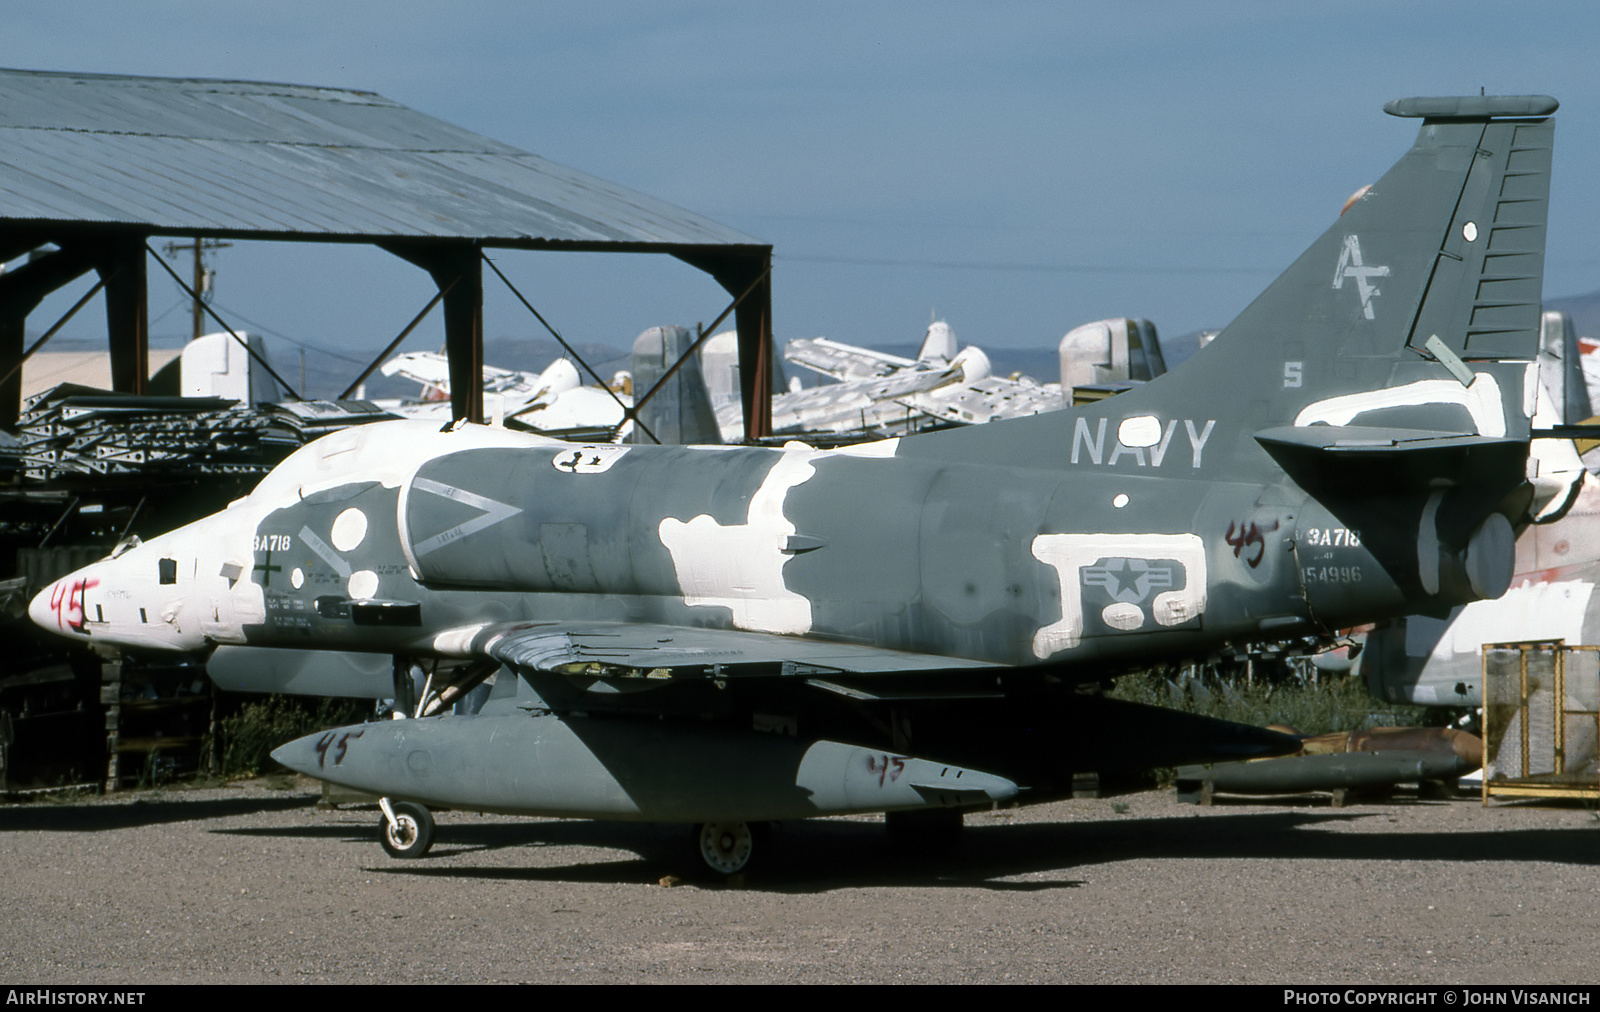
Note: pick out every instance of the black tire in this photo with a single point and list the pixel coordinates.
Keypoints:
(728, 848)
(412, 834)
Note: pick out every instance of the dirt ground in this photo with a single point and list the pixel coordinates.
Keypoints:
(248, 883)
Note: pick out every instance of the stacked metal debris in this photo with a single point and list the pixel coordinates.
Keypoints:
(308, 420)
(72, 431)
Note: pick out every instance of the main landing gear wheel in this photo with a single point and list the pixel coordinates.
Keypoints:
(727, 847)
(410, 833)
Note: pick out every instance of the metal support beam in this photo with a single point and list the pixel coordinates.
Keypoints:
(12, 338)
(227, 328)
(21, 291)
(388, 350)
(600, 381)
(15, 241)
(753, 322)
(120, 261)
(16, 367)
(457, 268)
(463, 335)
(640, 400)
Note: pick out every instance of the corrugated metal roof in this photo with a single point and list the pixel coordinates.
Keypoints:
(237, 157)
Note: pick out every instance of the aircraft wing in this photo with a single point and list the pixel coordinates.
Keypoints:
(987, 399)
(426, 367)
(600, 648)
(432, 369)
(842, 361)
(857, 404)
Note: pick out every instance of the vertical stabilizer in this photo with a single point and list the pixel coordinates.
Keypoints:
(680, 410)
(1417, 309)
(1432, 274)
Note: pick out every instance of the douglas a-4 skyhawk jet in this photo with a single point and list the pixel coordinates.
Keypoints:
(727, 636)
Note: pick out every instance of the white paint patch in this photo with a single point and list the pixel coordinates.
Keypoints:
(1533, 611)
(458, 642)
(1469, 231)
(349, 530)
(363, 584)
(882, 449)
(1140, 430)
(1481, 399)
(1120, 500)
(297, 578)
(1122, 616)
(1069, 554)
(740, 567)
(588, 459)
(388, 452)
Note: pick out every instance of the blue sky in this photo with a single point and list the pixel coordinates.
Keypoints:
(1016, 168)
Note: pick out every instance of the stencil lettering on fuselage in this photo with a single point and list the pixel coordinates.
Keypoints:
(740, 566)
(1151, 441)
(1115, 583)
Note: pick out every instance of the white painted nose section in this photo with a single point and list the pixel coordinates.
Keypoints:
(59, 607)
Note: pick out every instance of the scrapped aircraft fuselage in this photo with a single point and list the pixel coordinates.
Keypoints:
(397, 537)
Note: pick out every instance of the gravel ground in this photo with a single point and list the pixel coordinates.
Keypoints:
(248, 884)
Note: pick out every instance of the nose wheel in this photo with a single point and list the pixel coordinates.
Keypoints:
(406, 830)
(726, 848)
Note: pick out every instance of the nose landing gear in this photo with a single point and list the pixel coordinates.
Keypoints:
(406, 830)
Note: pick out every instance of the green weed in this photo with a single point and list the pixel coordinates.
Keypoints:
(1315, 707)
(244, 742)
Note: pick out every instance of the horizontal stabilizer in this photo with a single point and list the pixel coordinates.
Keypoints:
(1396, 459)
(1473, 107)
(1369, 439)
(1584, 430)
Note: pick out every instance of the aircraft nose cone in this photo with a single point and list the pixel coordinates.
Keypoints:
(302, 754)
(45, 608)
(360, 756)
(61, 607)
(291, 755)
